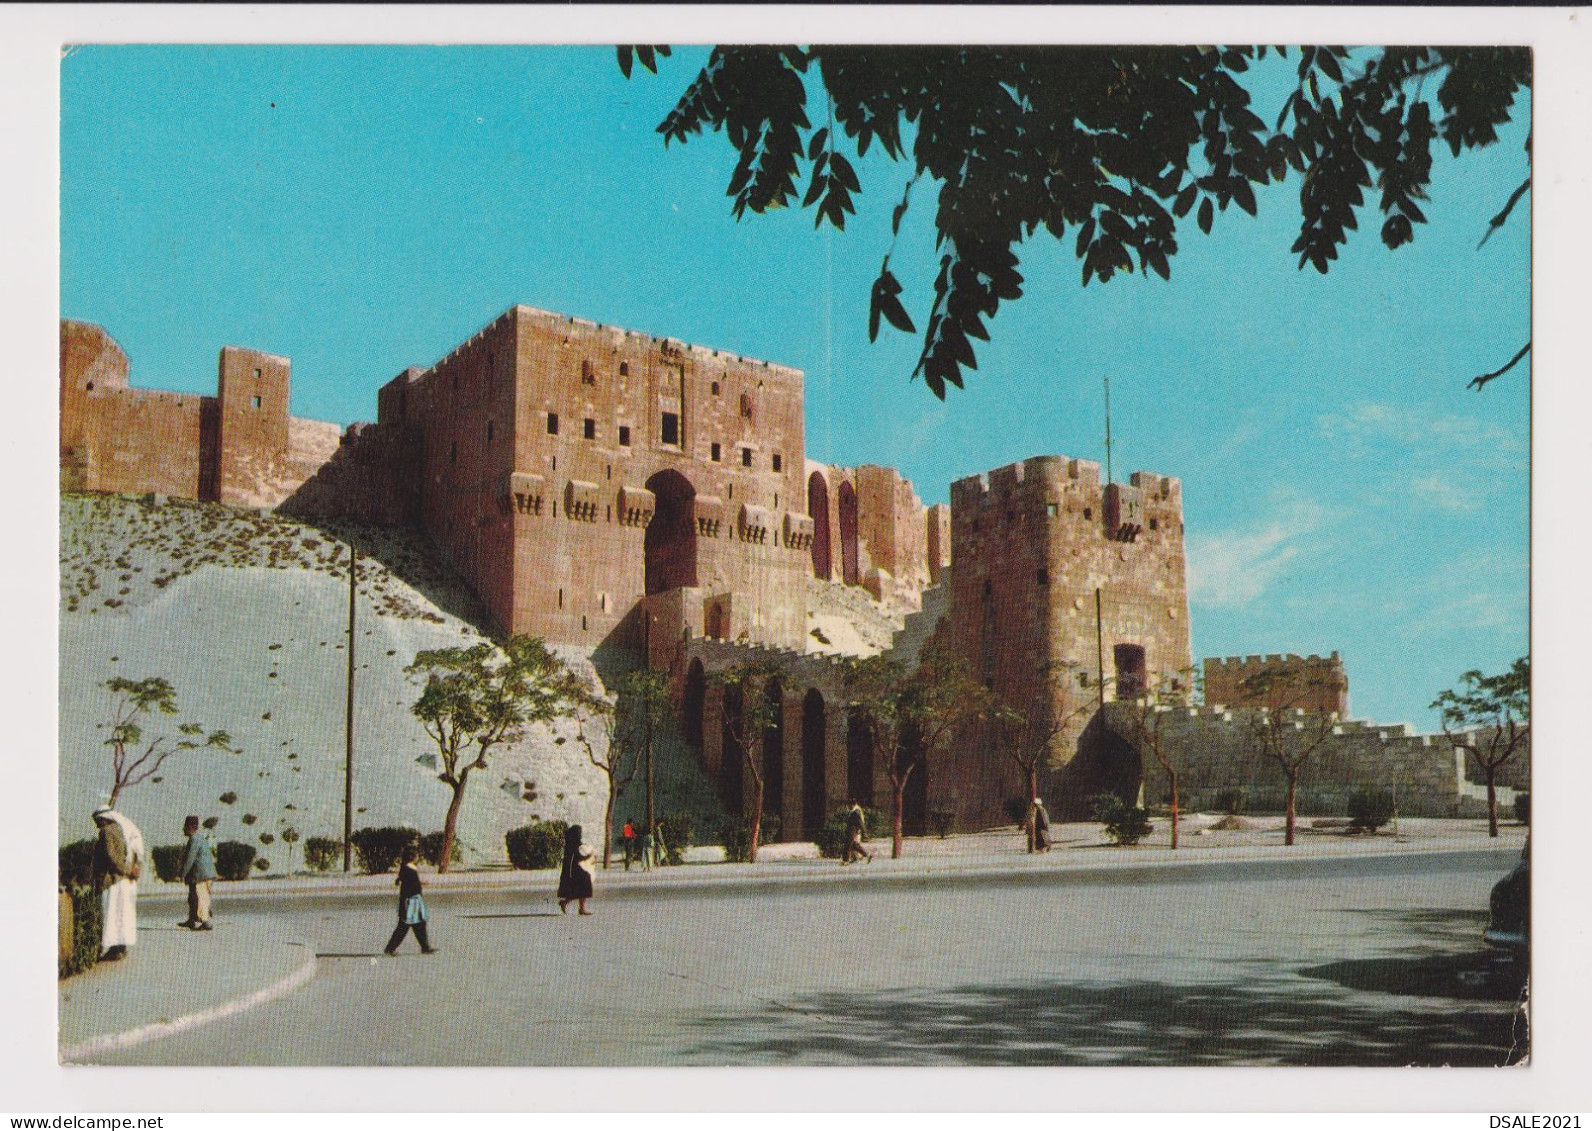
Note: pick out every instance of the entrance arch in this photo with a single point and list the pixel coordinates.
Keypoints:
(847, 506)
(670, 540)
(818, 511)
(774, 758)
(814, 799)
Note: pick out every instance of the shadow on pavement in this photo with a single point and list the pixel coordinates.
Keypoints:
(1278, 1021)
(515, 915)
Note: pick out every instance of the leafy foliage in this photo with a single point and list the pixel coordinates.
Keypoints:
(1370, 809)
(322, 852)
(167, 859)
(1125, 824)
(539, 845)
(832, 835)
(909, 713)
(737, 837)
(431, 850)
(1490, 716)
(481, 697)
(88, 927)
(378, 849)
(1115, 146)
(679, 834)
(1232, 800)
(75, 863)
(233, 858)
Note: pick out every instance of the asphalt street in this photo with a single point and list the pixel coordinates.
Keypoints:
(1329, 962)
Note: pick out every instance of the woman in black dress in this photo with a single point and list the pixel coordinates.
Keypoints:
(411, 907)
(574, 878)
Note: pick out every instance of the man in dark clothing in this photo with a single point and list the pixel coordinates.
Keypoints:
(411, 907)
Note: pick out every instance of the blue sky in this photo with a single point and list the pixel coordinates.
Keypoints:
(362, 210)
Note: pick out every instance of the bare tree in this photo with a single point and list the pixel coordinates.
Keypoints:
(598, 714)
(133, 760)
(1146, 716)
(1499, 707)
(908, 715)
(1027, 734)
(750, 686)
(1282, 732)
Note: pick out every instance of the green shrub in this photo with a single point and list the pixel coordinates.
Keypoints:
(941, 822)
(1523, 808)
(679, 834)
(167, 859)
(87, 930)
(737, 836)
(431, 850)
(831, 837)
(378, 849)
(1231, 801)
(322, 852)
(1370, 809)
(536, 846)
(233, 859)
(75, 864)
(1125, 824)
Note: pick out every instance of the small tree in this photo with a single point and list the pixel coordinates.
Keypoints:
(1026, 734)
(645, 708)
(907, 715)
(476, 699)
(617, 725)
(132, 759)
(1282, 733)
(1499, 708)
(1146, 716)
(752, 685)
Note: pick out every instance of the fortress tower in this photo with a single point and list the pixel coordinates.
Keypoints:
(570, 469)
(1063, 582)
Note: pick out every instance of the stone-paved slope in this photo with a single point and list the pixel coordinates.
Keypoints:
(246, 614)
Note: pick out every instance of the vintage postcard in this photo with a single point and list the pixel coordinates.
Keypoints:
(796, 555)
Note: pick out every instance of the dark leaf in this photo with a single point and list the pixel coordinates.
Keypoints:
(1207, 216)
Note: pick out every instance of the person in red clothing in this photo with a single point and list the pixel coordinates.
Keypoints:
(628, 835)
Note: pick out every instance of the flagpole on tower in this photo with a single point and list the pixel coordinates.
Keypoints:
(1108, 429)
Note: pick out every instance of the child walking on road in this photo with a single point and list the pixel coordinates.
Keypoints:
(411, 907)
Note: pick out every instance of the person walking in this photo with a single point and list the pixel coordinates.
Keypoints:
(648, 848)
(1041, 827)
(574, 878)
(628, 836)
(118, 862)
(856, 833)
(411, 905)
(198, 872)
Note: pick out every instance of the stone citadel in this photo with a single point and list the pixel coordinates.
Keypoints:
(602, 488)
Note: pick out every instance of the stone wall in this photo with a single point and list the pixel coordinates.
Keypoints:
(240, 447)
(1215, 750)
(1310, 683)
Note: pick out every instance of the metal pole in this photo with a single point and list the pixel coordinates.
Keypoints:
(348, 725)
(1108, 430)
(1100, 653)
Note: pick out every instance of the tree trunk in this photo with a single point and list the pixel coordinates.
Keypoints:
(1492, 800)
(452, 822)
(608, 823)
(757, 821)
(1172, 774)
(899, 791)
(652, 819)
(1033, 813)
(1293, 788)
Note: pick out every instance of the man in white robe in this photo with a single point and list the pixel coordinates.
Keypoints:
(118, 862)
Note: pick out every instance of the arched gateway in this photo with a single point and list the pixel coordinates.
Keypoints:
(670, 540)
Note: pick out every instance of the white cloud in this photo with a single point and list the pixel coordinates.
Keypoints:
(1417, 429)
(1229, 570)
(1445, 495)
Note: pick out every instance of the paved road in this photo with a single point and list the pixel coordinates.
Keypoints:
(1364, 962)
